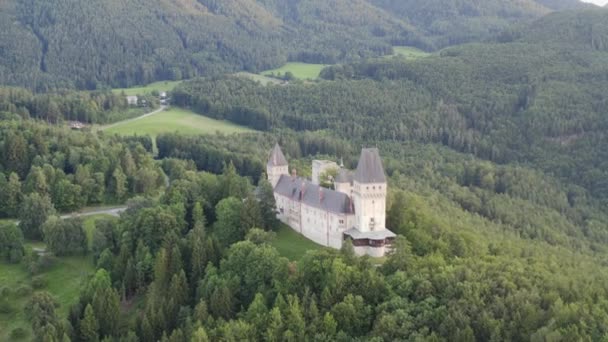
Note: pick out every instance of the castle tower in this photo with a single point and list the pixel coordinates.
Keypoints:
(369, 192)
(277, 165)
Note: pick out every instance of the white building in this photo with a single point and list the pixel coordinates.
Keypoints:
(132, 100)
(355, 210)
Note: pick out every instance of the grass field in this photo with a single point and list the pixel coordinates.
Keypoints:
(158, 86)
(302, 71)
(176, 120)
(408, 52)
(63, 282)
(291, 244)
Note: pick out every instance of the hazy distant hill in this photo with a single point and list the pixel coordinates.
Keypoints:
(455, 22)
(87, 44)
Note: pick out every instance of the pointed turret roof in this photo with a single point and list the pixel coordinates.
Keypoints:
(277, 158)
(370, 169)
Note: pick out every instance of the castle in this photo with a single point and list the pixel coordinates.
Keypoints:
(355, 210)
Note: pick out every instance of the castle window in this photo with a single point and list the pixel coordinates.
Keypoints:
(341, 221)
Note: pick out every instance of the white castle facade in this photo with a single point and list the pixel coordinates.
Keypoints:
(355, 210)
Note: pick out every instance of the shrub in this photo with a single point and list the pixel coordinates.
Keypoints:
(5, 306)
(39, 282)
(18, 333)
(5, 291)
(24, 290)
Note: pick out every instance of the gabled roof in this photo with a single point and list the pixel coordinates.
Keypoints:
(370, 169)
(277, 158)
(302, 190)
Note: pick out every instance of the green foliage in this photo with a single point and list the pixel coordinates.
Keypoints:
(11, 243)
(65, 237)
(33, 214)
(71, 169)
(175, 41)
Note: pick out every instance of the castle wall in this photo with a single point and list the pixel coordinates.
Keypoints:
(322, 227)
(375, 252)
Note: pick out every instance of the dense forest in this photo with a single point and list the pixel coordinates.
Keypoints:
(54, 168)
(199, 259)
(67, 43)
(527, 100)
(56, 107)
(495, 154)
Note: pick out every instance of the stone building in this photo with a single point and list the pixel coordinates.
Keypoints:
(355, 209)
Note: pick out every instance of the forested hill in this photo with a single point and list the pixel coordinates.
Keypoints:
(86, 44)
(71, 43)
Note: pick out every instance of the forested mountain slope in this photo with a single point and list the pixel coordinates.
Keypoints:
(454, 22)
(86, 44)
(70, 43)
(524, 102)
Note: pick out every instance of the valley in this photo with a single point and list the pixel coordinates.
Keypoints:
(196, 141)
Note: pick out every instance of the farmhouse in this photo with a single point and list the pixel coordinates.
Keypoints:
(355, 210)
(132, 100)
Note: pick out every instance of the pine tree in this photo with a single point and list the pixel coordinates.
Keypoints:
(274, 333)
(198, 217)
(250, 214)
(200, 335)
(294, 320)
(257, 315)
(268, 205)
(89, 326)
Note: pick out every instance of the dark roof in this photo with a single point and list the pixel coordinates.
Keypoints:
(277, 158)
(344, 176)
(370, 169)
(304, 191)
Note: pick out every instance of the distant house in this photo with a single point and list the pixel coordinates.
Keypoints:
(76, 125)
(162, 95)
(132, 100)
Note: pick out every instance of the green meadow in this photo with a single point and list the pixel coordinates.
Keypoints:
(156, 86)
(291, 244)
(62, 280)
(302, 71)
(408, 52)
(175, 120)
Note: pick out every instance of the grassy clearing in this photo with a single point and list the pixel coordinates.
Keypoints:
(63, 282)
(6, 221)
(263, 80)
(302, 71)
(292, 245)
(156, 86)
(408, 52)
(176, 120)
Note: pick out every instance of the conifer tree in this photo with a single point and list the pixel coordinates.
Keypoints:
(274, 333)
(200, 335)
(250, 214)
(268, 205)
(89, 326)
